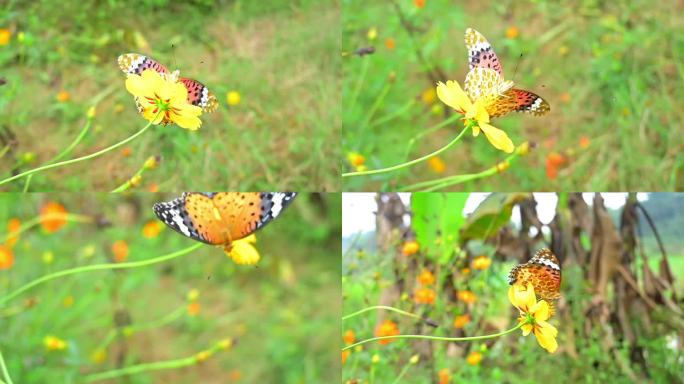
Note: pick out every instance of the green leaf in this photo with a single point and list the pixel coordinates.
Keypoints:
(492, 214)
(436, 221)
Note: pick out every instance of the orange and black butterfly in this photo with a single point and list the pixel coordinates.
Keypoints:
(542, 271)
(219, 218)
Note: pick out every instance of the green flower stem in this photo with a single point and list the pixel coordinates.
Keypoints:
(76, 160)
(393, 115)
(429, 131)
(408, 163)
(382, 307)
(402, 373)
(359, 82)
(129, 183)
(156, 366)
(4, 371)
(97, 267)
(439, 338)
(4, 150)
(433, 185)
(377, 103)
(36, 220)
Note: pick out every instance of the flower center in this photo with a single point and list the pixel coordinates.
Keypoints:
(470, 123)
(529, 319)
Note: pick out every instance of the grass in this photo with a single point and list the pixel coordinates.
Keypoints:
(277, 137)
(283, 332)
(609, 73)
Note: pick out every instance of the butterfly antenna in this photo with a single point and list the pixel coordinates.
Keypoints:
(515, 71)
(173, 56)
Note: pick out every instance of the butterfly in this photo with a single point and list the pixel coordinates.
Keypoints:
(485, 80)
(198, 94)
(542, 271)
(219, 218)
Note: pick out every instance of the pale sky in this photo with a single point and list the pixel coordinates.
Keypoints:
(358, 208)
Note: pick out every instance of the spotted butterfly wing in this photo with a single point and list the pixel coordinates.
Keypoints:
(199, 95)
(486, 79)
(219, 218)
(542, 271)
(135, 64)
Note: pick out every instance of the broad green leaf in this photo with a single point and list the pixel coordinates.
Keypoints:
(492, 214)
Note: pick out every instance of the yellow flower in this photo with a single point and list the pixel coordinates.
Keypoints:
(53, 343)
(356, 159)
(410, 247)
(437, 164)
(193, 294)
(5, 36)
(534, 314)
(233, 98)
(98, 356)
(476, 116)
(162, 100)
(461, 321)
(474, 358)
(467, 297)
(151, 229)
(6, 257)
(63, 96)
(152, 162)
(372, 34)
(512, 32)
(242, 251)
(426, 277)
(482, 262)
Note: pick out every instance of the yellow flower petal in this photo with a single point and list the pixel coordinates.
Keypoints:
(498, 138)
(546, 336)
(527, 328)
(452, 95)
(137, 86)
(480, 112)
(540, 310)
(243, 252)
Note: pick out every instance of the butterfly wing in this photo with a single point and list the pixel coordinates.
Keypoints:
(248, 212)
(175, 215)
(199, 95)
(135, 64)
(480, 52)
(519, 100)
(542, 271)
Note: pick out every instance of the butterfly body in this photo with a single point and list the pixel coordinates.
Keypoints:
(219, 218)
(485, 80)
(198, 93)
(542, 271)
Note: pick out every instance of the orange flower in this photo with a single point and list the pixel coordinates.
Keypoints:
(419, 3)
(461, 321)
(410, 248)
(151, 229)
(554, 161)
(6, 257)
(63, 96)
(444, 376)
(356, 159)
(512, 32)
(194, 309)
(389, 43)
(345, 355)
(153, 187)
(5, 35)
(584, 142)
(565, 97)
(429, 96)
(465, 271)
(474, 358)
(387, 328)
(120, 251)
(437, 164)
(424, 296)
(126, 151)
(53, 216)
(13, 227)
(467, 297)
(349, 337)
(235, 375)
(482, 262)
(426, 277)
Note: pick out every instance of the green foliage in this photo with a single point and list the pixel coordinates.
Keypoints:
(436, 220)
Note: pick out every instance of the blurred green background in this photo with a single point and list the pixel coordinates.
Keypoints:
(281, 57)
(611, 71)
(284, 312)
